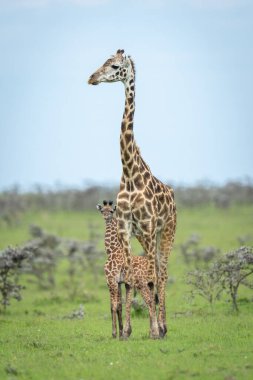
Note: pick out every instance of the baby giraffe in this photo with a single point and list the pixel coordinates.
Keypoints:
(115, 272)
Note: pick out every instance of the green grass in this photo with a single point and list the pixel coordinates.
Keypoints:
(37, 343)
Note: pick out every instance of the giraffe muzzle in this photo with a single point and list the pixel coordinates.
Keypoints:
(92, 80)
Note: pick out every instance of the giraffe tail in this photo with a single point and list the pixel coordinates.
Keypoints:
(156, 299)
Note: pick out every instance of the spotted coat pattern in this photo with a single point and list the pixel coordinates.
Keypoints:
(145, 206)
(114, 269)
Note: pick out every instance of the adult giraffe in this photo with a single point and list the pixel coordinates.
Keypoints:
(145, 206)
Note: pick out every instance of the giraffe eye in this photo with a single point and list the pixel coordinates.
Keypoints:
(115, 67)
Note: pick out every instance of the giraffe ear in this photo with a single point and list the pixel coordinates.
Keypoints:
(99, 207)
(126, 60)
(114, 208)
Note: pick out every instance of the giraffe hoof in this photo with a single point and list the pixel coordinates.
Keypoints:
(162, 331)
(154, 333)
(154, 336)
(123, 337)
(126, 333)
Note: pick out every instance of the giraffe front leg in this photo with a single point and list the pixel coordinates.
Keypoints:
(129, 296)
(154, 330)
(124, 235)
(151, 281)
(146, 245)
(113, 288)
(148, 242)
(161, 286)
(161, 290)
(119, 311)
(167, 238)
(146, 295)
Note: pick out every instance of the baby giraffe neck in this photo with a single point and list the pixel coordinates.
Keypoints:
(112, 243)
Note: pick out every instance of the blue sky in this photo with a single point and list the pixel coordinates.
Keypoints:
(194, 62)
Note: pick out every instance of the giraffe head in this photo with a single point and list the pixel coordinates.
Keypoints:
(107, 210)
(117, 68)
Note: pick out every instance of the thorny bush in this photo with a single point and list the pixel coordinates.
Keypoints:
(236, 267)
(11, 260)
(198, 256)
(227, 273)
(45, 251)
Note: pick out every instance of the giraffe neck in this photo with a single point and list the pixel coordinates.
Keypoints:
(127, 142)
(112, 243)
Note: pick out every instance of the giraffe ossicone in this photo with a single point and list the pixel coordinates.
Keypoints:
(145, 206)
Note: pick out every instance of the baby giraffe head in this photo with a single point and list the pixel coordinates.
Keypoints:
(107, 210)
(117, 68)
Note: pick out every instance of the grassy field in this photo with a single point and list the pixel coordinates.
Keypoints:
(37, 342)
